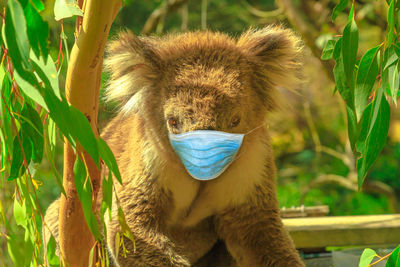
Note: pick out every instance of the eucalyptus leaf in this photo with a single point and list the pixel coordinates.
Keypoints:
(366, 77)
(366, 257)
(394, 259)
(83, 189)
(38, 31)
(108, 158)
(349, 50)
(339, 8)
(17, 164)
(66, 8)
(327, 53)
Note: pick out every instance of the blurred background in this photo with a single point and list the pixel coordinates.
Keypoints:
(315, 164)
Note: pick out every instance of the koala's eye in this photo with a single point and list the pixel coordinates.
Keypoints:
(235, 121)
(172, 122)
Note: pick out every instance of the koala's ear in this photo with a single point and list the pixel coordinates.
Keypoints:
(275, 53)
(132, 64)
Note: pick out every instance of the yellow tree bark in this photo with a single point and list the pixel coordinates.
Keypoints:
(82, 91)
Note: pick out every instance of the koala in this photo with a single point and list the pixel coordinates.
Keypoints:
(197, 82)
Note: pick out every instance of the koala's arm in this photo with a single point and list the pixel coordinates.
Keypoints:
(153, 247)
(254, 234)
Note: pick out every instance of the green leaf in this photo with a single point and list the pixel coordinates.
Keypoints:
(33, 129)
(108, 157)
(38, 31)
(366, 76)
(38, 5)
(349, 50)
(341, 85)
(376, 137)
(66, 9)
(366, 257)
(339, 8)
(83, 188)
(30, 88)
(390, 57)
(20, 213)
(327, 53)
(394, 80)
(18, 157)
(390, 20)
(15, 35)
(52, 258)
(83, 133)
(107, 186)
(47, 73)
(394, 259)
(351, 126)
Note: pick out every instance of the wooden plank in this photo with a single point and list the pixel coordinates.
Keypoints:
(361, 230)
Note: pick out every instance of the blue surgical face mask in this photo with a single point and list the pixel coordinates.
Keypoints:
(206, 154)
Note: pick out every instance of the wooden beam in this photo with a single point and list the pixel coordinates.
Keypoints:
(364, 230)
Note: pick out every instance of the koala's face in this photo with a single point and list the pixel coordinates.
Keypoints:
(204, 80)
(208, 96)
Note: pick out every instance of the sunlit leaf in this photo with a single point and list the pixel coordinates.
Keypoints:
(366, 76)
(66, 9)
(20, 213)
(47, 73)
(366, 257)
(30, 90)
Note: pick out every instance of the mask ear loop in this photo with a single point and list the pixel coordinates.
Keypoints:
(252, 130)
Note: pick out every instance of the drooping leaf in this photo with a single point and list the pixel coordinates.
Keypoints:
(107, 186)
(341, 84)
(17, 164)
(38, 31)
(66, 9)
(394, 259)
(83, 188)
(108, 158)
(351, 126)
(390, 57)
(376, 137)
(327, 53)
(38, 5)
(349, 50)
(394, 80)
(366, 76)
(83, 133)
(390, 20)
(20, 213)
(52, 258)
(339, 8)
(366, 257)
(29, 88)
(47, 73)
(34, 130)
(16, 38)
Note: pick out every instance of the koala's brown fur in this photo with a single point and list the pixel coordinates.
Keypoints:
(200, 80)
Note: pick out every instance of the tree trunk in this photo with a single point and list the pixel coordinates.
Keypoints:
(82, 91)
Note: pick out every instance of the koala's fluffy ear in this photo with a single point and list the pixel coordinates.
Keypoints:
(275, 53)
(132, 64)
